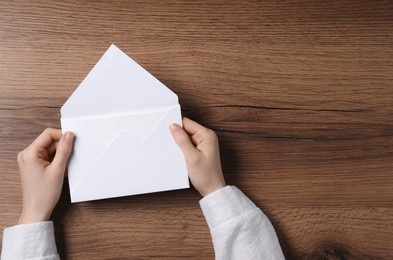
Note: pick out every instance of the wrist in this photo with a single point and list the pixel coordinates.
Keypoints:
(32, 217)
(212, 189)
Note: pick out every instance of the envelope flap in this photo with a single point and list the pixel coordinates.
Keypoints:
(115, 85)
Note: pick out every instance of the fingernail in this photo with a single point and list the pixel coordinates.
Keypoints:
(69, 136)
(174, 127)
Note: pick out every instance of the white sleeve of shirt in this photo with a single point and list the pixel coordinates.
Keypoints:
(239, 231)
(238, 228)
(30, 241)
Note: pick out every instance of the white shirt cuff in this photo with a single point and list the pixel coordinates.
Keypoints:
(30, 241)
(225, 204)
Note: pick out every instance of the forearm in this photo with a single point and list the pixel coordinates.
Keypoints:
(239, 229)
(29, 241)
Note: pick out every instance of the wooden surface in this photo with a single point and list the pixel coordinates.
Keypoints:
(300, 94)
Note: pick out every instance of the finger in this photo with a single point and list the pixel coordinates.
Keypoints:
(47, 138)
(52, 148)
(64, 148)
(192, 127)
(183, 141)
(198, 133)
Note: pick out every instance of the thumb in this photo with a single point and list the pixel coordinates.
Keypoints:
(63, 151)
(184, 142)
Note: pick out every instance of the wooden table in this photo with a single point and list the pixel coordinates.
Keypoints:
(300, 94)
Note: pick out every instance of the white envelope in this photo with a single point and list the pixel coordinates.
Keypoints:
(120, 115)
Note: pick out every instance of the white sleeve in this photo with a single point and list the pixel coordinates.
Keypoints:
(30, 241)
(238, 228)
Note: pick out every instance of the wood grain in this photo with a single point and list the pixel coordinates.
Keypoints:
(300, 94)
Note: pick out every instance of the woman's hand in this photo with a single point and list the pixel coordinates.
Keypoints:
(201, 152)
(42, 166)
